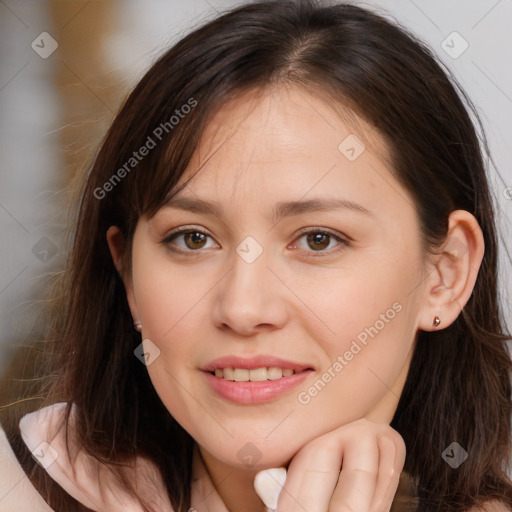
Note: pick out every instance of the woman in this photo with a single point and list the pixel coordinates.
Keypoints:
(285, 257)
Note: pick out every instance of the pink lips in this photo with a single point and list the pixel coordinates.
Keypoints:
(254, 392)
(253, 362)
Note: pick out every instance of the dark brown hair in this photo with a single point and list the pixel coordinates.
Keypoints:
(458, 387)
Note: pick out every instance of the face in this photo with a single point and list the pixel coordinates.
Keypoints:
(329, 285)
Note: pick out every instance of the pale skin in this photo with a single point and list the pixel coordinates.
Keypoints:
(294, 301)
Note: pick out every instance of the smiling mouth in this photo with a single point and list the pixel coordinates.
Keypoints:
(253, 374)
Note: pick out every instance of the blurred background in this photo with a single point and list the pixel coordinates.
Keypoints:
(65, 66)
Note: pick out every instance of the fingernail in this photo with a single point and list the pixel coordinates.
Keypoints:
(268, 484)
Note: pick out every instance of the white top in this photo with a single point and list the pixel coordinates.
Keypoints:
(85, 479)
(17, 494)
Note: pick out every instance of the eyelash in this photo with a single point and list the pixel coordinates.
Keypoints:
(320, 253)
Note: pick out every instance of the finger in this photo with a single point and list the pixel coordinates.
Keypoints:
(387, 475)
(389, 497)
(311, 478)
(358, 478)
(398, 466)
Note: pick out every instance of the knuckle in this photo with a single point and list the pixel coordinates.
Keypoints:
(371, 471)
(339, 506)
(394, 436)
(399, 441)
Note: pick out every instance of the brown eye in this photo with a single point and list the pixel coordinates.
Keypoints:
(194, 239)
(318, 241)
(187, 240)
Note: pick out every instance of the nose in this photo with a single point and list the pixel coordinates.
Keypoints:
(250, 298)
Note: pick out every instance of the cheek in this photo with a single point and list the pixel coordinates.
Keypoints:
(345, 305)
(377, 338)
(165, 294)
(360, 369)
(168, 301)
(370, 334)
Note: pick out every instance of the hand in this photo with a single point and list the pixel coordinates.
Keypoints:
(355, 468)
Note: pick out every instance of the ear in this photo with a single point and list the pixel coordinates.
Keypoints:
(115, 241)
(450, 283)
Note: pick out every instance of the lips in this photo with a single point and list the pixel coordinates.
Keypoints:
(235, 387)
(260, 361)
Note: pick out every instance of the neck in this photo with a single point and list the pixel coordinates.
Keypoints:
(234, 486)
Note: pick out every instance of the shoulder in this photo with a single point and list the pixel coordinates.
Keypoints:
(51, 436)
(17, 492)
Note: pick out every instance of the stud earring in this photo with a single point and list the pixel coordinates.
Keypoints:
(138, 326)
(436, 321)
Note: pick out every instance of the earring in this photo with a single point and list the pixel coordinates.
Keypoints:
(436, 321)
(138, 326)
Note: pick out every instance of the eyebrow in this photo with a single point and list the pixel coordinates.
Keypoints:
(281, 209)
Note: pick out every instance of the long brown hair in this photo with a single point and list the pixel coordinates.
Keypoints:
(458, 387)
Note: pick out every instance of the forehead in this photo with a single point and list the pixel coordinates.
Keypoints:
(284, 122)
(284, 143)
(289, 119)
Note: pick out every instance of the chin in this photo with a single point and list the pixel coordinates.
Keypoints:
(252, 457)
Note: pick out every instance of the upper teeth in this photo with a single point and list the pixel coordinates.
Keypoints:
(256, 374)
